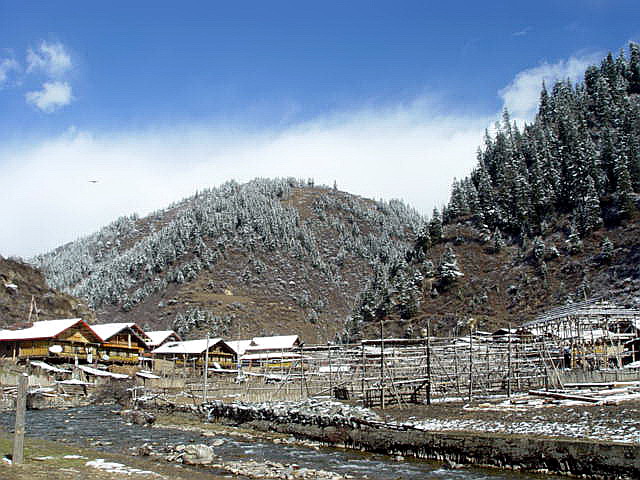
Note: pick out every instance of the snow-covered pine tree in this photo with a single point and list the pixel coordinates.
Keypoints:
(448, 271)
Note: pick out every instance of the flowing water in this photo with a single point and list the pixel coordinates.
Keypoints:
(93, 425)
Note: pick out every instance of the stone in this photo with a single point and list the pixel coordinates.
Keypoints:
(138, 417)
(143, 450)
(198, 455)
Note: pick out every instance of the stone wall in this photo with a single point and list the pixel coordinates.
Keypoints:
(353, 427)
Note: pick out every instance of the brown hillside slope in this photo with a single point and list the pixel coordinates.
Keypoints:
(509, 287)
(20, 282)
(255, 286)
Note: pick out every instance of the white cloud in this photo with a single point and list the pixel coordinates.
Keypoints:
(53, 95)
(7, 65)
(51, 58)
(409, 152)
(522, 95)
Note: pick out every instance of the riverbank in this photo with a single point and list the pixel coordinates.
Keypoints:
(48, 460)
(456, 435)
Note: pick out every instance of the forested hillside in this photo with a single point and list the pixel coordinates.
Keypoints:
(266, 257)
(548, 215)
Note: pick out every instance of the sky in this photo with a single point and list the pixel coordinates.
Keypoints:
(111, 108)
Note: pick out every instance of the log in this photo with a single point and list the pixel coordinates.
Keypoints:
(563, 396)
(601, 385)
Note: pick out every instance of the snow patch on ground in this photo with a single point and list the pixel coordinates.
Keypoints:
(113, 467)
(627, 431)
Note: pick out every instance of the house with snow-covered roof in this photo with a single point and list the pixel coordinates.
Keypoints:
(194, 353)
(274, 344)
(121, 342)
(158, 338)
(276, 351)
(56, 340)
(239, 346)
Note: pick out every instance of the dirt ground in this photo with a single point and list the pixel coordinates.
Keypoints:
(490, 411)
(620, 418)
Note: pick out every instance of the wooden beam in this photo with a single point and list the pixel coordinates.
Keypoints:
(563, 396)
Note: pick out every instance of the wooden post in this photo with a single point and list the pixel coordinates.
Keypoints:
(21, 407)
(470, 362)
(363, 372)
(381, 366)
(330, 373)
(455, 366)
(428, 362)
(509, 373)
(302, 379)
(206, 372)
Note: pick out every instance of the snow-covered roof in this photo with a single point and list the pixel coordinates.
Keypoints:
(159, 336)
(189, 347)
(279, 342)
(274, 356)
(42, 329)
(102, 373)
(46, 366)
(505, 331)
(239, 346)
(107, 330)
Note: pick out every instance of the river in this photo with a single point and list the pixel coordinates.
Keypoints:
(87, 426)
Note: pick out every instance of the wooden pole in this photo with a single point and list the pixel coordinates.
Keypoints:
(21, 408)
(381, 366)
(509, 373)
(428, 362)
(363, 372)
(456, 371)
(470, 362)
(206, 372)
(330, 373)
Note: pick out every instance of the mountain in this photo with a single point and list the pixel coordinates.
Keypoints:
(548, 216)
(265, 257)
(20, 283)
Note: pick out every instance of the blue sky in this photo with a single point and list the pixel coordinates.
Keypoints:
(156, 99)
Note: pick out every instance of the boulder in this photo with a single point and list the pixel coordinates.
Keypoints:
(138, 417)
(198, 455)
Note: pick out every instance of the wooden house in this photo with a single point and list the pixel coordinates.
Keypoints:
(193, 353)
(121, 342)
(157, 338)
(272, 352)
(275, 344)
(66, 340)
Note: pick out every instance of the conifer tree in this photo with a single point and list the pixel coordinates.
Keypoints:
(606, 250)
(448, 271)
(435, 226)
(633, 72)
(588, 213)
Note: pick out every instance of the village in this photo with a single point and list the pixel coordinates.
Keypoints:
(570, 375)
(580, 344)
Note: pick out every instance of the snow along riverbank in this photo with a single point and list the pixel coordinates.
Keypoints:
(535, 440)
